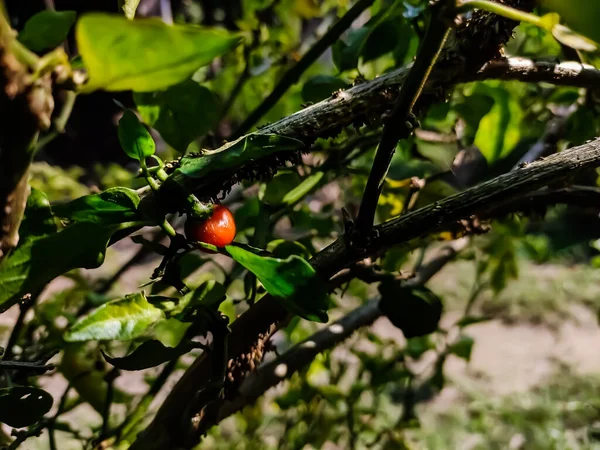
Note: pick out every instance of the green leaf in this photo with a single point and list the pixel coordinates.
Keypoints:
(113, 206)
(39, 260)
(181, 114)
(292, 280)
(122, 320)
(47, 29)
(581, 15)
(499, 130)
(38, 219)
(237, 153)
(280, 248)
(303, 189)
(385, 37)
(574, 40)
(129, 7)
(150, 354)
(134, 138)
(21, 406)
(472, 320)
(118, 55)
(320, 87)
(346, 52)
(208, 296)
(462, 347)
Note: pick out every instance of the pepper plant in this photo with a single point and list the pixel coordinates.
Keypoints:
(428, 120)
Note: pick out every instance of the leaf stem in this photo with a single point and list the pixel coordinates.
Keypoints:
(501, 10)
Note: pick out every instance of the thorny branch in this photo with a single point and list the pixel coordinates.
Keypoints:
(398, 125)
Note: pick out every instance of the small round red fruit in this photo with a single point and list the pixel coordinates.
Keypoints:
(218, 229)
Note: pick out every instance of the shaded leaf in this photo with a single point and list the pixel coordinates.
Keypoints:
(39, 260)
(21, 406)
(38, 219)
(320, 87)
(180, 114)
(415, 311)
(292, 280)
(122, 320)
(150, 354)
(118, 57)
(115, 205)
(47, 29)
(462, 347)
(134, 138)
(472, 320)
(280, 248)
(208, 297)
(346, 52)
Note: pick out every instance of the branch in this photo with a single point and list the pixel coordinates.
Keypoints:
(482, 198)
(294, 73)
(25, 108)
(568, 73)
(398, 125)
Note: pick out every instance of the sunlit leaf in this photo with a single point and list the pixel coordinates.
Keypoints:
(145, 55)
(292, 280)
(123, 319)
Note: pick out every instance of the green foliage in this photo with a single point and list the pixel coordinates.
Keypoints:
(47, 29)
(236, 154)
(181, 113)
(116, 55)
(113, 206)
(415, 311)
(149, 354)
(40, 259)
(21, 406)
(122, 320)
(320, 87)
(293, 281)
(135, 139)
(194, 87)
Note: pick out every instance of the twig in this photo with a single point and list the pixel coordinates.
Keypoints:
(26, 303)
(22, 436)
(294, 73)
(398, 125)
(110, 390)
(36, 366)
